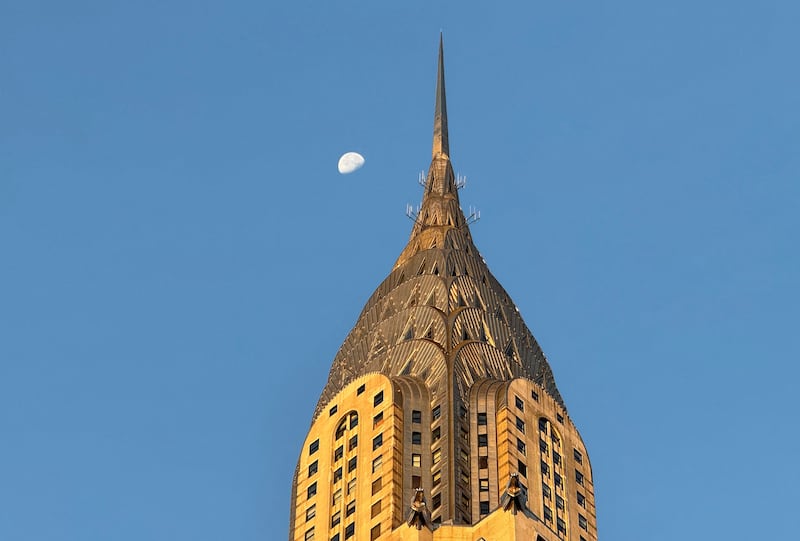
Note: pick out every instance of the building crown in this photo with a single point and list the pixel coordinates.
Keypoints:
(440, 316)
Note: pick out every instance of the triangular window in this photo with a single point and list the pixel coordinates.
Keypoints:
(431, 299)
(510, 353)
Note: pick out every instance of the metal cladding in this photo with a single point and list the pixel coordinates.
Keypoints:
(440, 316)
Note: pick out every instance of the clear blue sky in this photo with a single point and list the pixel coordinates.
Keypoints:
(180, 259)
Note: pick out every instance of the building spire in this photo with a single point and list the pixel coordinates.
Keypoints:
(440, 140)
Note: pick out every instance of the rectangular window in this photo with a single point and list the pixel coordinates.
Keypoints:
(482, 419)
(521, 425)
(545, 469)
(578, 477)
(519, 403)
(351, 486)
(336, 519)
(353, 443)
(378, 399)
(543, 446)
(521, 446)
(350, 509)
(351, 464)
(546, 490)
(535, 395)
(436, 501)
(578, 456)
(416, 481)
(437, 456)
(582, 522)
(311, 512)
(543, 424)
(556, 458)
(557, 480)
(559, 418)
(559, 502)
(437, 412)
(416, 416)
(377, 441)
(310, 534)
(350, 530)
(483, 485)
(416, 460)
(416, 437)
(313, 468)
(484, 508)
(361, 389)
(581, 500)
(333, 410)
(464, 474)
(337, 496)
(377, 420)
(483, 440)
(313, 447)
(437, 478)
(376, 486)
(337, 474)
(377, 462)
(376, 509)
(375, 532)
(335, 537)
(436, 434)
(562, 527)
(548, 514)
(312, 489)
(522, 468)
(338, 454)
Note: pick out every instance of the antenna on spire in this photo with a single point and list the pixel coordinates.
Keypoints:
(474, 215)
(461, 181)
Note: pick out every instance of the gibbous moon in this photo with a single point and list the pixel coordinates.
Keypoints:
(350, 162)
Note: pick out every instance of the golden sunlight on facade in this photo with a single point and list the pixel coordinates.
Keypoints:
(441, 420)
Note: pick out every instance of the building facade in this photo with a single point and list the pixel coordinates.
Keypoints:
(441, 419)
